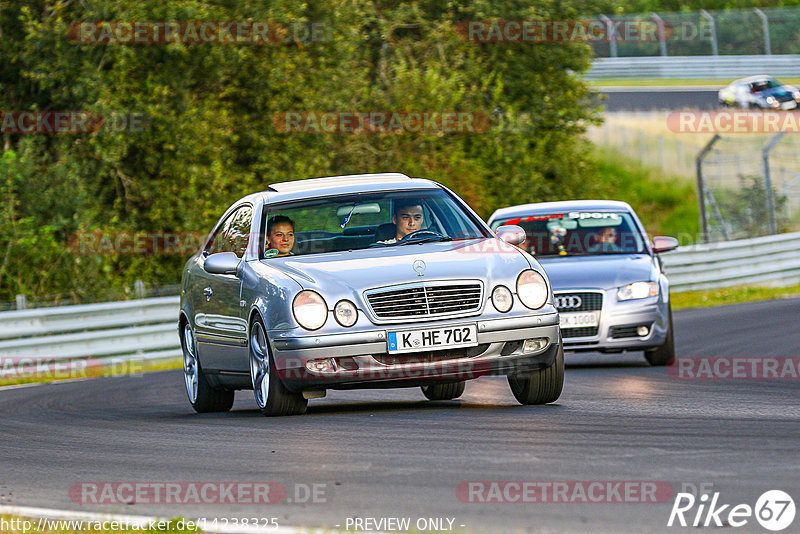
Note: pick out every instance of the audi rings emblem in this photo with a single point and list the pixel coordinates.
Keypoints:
(566, 302)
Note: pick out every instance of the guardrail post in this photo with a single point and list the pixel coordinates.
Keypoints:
(765, 25)
(138, 289)
(662, 38)
(701, 188)
(22, 302)
(773, 224)
(713, 27)
(612, 38)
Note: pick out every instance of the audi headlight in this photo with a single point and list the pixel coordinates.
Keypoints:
(310, 310)
(532, 289)
(771, 101)
(637, 290)
(502, 299)
(345, 313)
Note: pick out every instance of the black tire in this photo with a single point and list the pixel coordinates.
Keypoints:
(274, 399)
(206, 399)
(444, 391)
(542, 386)
(664, 354)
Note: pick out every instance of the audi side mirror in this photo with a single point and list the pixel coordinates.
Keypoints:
(222, 263)
(664, 244)
(511, 234)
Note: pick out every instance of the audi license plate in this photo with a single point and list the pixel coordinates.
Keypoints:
(788, 105)
(432, 338)
(579, 319)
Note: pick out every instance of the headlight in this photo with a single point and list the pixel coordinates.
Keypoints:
(637, 290)
(796, 95)
(310, 310)
(771, 101)
(502, 299)
(532, 289)
(345, 313)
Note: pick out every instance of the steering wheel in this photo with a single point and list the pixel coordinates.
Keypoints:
(421, 233)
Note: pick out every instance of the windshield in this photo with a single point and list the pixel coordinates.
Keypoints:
(578, 233)
(763, 85)
(364, 220)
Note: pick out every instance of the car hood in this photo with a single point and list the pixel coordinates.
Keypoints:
(776, 92)
(347, 274)
(603, 271)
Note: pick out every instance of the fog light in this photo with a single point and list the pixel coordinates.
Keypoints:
(534, 345)
(642, 331)
(328, 365)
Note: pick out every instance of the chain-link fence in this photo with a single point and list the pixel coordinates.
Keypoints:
(704, 33)
(751, 185)
(631, 136)
(736, 172)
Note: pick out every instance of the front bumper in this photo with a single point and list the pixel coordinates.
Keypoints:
(362, 359)
(618, 323)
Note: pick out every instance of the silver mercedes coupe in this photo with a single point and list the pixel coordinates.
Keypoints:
(368, 281)
(609, 284)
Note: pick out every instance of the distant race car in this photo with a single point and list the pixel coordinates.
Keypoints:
(609, 286)
(759, 92)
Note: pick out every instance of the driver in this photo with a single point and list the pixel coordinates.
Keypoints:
(606, 241)
(280, 237)
(407, 219)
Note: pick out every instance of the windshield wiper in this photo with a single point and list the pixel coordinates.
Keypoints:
(428, 239)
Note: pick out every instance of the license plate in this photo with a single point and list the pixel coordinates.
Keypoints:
(579, 320)
(432, 338)
(789, 105)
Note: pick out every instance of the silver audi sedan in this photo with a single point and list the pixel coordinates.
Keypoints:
(369, 281)
(609, 285)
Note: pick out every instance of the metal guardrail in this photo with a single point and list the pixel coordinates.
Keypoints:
(773, 259)
(702, 67)
(147, 328)
(143, 328)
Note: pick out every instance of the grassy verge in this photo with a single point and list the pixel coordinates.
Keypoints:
(12, 374)
(644, 82)
(666, 205)
(706, 298)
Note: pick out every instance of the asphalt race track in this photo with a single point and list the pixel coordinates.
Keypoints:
(390, 453)
(659, 98)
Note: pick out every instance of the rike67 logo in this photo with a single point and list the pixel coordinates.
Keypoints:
(774, 510)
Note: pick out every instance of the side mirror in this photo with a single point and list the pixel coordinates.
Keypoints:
(222, 263)
(664, 244)
(511, 234)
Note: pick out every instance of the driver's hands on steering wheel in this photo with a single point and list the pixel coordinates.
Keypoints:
(418, 233)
